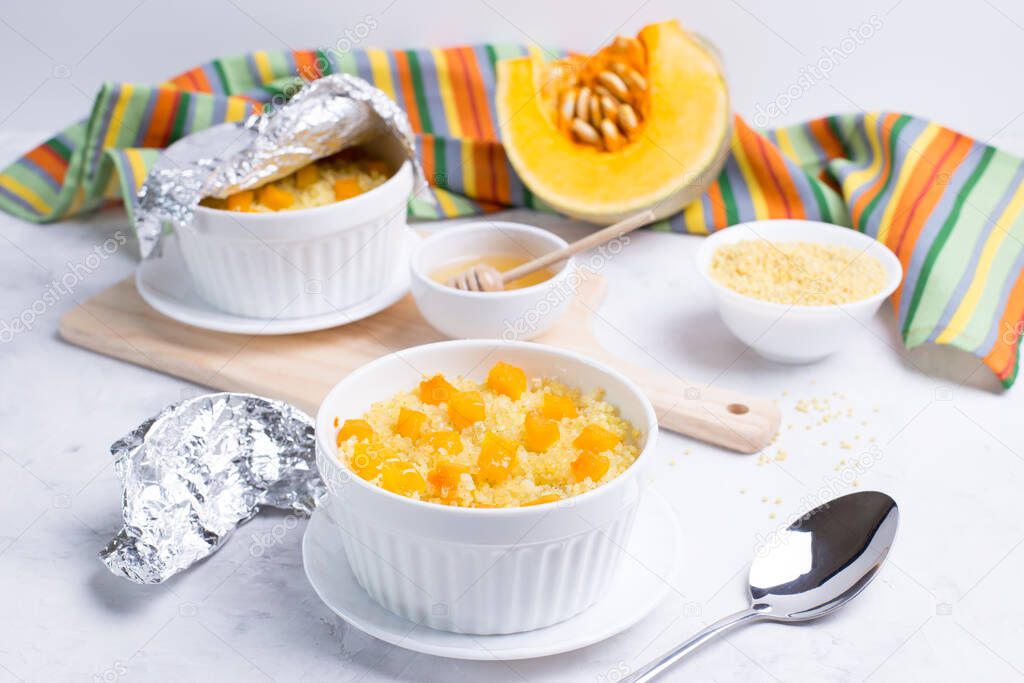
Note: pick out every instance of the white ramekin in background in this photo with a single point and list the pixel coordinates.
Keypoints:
(474, 570)
(796, 334)
(515, 314)
(304, 262)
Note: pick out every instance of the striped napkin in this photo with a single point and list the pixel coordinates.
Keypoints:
(950, 207)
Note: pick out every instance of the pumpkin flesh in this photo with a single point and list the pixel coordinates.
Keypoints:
(675, 155)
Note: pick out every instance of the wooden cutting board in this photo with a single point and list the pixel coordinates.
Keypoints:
(302, 368)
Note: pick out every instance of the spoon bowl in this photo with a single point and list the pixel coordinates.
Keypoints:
(807, 570)
(824, 559)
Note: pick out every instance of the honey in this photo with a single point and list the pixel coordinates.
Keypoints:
(500, 262)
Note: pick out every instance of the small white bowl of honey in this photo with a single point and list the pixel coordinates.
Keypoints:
(524, 309)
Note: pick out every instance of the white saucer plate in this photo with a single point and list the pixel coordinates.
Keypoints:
(164, 284)
(646, 569)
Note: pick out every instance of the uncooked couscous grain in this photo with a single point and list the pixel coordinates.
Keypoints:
(798, 273)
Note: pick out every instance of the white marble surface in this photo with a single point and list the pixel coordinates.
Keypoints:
(949, 449)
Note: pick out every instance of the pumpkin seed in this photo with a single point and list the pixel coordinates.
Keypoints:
(610, 134)
(615, 84)
(634, 79)
(627, 118)
(583, 103)
(595, 110)
(610, 108)
(586, 133)
(567, 109)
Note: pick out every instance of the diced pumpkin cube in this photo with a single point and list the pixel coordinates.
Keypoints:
(274, 198)
(507, 379)
(346, 188)
(410, 423)
(497, 457)
(446, 442)
(446, 477)
(595, 438)
(589, 464)
(558, 407)
(540, 432)
(465, 408)
(360, 429)
(401, 477)
(435, 390)
(546, 498)
(240, 201)
(367, 459)
(306, 176)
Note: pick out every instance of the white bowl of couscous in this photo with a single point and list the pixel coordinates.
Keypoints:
(796, 290)
(498, 554)
(320, 253)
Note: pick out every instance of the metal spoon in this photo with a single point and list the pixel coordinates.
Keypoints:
(812, 568)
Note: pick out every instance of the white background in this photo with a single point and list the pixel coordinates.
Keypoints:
(946, 607)
(950, 61)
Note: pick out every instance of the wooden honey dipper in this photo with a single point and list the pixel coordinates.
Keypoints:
(485, 278)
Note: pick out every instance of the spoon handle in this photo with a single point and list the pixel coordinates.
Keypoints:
(654, 669)
(590, 241)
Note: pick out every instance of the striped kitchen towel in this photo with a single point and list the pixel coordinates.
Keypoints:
(950, 207)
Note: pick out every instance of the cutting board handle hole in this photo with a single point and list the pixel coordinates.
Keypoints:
(737, 409)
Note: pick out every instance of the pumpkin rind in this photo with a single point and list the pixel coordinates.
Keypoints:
(678, 153)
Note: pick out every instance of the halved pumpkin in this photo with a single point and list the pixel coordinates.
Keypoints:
(643, 123)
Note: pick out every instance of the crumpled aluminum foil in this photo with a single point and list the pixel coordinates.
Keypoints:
(324, 117)
(201, 468)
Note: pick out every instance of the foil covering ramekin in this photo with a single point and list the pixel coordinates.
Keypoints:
(324, 117)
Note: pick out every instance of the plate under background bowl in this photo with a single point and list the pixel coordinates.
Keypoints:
(165, 285)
